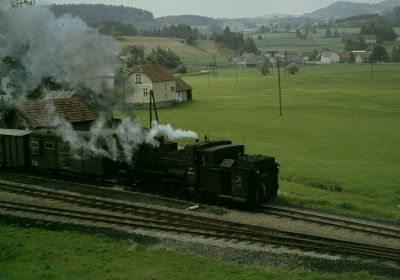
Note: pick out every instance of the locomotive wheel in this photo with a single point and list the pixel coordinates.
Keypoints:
(257, 197)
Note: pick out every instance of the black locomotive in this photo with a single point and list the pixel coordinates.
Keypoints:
(205, 167)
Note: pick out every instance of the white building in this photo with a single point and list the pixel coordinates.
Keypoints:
(142, 79)
(329, 58)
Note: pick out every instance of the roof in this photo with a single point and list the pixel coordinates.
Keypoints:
(156, 73)
(41, 113)
(328, 54)
(181, 85)
(14, 132)
(59, 94)
(370, 38)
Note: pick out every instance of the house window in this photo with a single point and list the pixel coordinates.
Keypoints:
(172, 89)
(145, 92)
(49, 146)
(9, 85)
(138, 79)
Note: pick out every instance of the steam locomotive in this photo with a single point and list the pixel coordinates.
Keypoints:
(216, 168)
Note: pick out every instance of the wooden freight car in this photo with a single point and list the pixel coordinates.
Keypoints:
(14, 148)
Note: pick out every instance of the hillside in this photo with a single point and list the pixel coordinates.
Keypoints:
(99, 12)
(199, 55)
(343, 9)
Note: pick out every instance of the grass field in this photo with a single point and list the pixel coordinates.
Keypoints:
(198, 55)
(338, 141)
(34, 254)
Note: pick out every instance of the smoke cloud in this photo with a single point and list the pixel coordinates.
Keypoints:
(118, 146)
(64, 48)
(4, 5)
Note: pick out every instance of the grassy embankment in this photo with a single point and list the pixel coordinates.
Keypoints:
(39, 254)
(338, 139)
(199, 55)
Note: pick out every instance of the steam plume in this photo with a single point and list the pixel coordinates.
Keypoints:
(64, 48)
(121, 146)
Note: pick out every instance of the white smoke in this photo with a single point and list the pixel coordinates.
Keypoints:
(64, 48)
(119, 145)
(4, 5)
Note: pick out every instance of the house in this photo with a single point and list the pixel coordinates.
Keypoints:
(43, 113)
(248, 59)
(142, 79)
(350, 36)
(183, 91)
(344, 57)
(361, 56)
(329, 58)
(370, 39)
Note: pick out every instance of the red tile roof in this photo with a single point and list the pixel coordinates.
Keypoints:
(156, 73)
(41, 113)
(181, 85)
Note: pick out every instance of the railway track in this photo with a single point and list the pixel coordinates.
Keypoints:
(327, 220)
(123, 214)
(291, 213)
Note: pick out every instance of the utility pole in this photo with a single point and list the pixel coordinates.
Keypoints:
(280, 92)
(3, 106)
(236, 68)
(372, 69)
(286, 62)
(279, 80)
(215, 67)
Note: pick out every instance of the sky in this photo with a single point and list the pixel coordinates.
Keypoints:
(216, 8)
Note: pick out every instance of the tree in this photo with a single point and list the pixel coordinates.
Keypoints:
(259, 37)
(164, 57)
(263, 67)
(136, 57)
(182, 69)
(293, 69)
(249, 46)
(352, 58)
(379, 54)
(328, 33)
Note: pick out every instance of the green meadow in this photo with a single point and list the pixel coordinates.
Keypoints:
(27, 253)
(338, 141)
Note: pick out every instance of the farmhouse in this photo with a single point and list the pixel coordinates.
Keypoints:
(361, 56)
(248, 59)
(167, 88)
(345, 57)
(370, 39)
(43, 113)
(329, 57)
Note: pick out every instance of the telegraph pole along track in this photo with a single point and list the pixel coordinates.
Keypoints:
(45, 204)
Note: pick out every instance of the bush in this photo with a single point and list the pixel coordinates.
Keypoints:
(182, 69)
(293, 69)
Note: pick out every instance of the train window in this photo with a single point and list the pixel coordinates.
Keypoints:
(34, 145)
(48, 146)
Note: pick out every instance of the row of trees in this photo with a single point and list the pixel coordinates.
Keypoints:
(235, 41)
(168, 58)
(182, 31)
(116, 29)
(380, 54)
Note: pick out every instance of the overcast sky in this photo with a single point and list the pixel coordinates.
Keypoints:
(217, 8)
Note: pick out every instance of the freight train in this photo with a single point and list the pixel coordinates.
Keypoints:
(211, 168)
